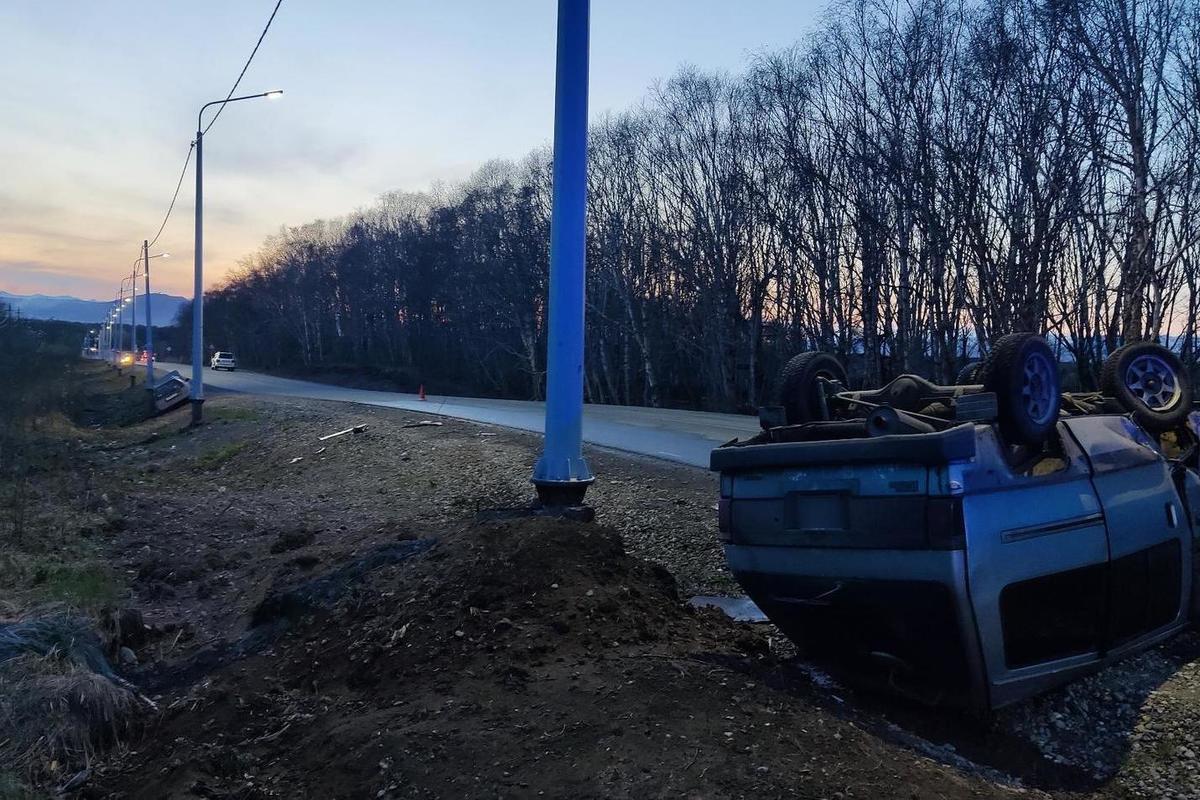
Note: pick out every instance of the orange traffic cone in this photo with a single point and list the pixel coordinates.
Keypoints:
(421, 392)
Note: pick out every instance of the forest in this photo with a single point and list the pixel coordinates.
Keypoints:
(903, 186)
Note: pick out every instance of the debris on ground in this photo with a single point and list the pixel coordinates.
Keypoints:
(738, 609)
(354, 429)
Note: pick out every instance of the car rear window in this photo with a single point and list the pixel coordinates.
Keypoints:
(224, 355)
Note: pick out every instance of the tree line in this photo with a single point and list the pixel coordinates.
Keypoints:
(902, 187)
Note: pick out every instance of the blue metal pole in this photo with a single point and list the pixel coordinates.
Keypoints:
(562, 474)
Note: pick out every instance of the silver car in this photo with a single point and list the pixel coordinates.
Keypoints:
(956, 557)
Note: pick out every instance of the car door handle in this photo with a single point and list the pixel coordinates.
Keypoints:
(1172, 516)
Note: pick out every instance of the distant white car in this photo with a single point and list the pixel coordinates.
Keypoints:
(223, 361)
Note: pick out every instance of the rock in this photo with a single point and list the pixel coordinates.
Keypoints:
(131, 627)
(127, 657)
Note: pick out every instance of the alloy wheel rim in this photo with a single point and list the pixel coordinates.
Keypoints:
(1152, 381)
(1037, 388)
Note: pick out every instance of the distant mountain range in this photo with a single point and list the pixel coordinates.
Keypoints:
(164, 307)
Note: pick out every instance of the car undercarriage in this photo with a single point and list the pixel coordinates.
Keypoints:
(976, 543)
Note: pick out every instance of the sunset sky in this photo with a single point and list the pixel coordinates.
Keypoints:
(98, 104)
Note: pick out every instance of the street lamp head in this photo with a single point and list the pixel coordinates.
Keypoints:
(200, 117)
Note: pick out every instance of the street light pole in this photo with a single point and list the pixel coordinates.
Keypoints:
(133, 314)
(562, 475)
(144, 260)
(112, 316)
(120, 321)
(132, 332)
(112, 313)
(149, 319)
(108, 335)
(197, 387)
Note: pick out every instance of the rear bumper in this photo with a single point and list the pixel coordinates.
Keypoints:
(902, 618)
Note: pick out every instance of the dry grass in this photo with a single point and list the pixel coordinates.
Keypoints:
(55, 715)
(60, 702)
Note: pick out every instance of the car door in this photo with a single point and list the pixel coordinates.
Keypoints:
(1149, 537)
(1037, 563)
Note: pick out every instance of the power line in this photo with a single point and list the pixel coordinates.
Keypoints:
(246, 66)
(188, 159)
(175, 196)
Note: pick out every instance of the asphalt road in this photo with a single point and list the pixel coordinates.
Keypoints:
(682, 436)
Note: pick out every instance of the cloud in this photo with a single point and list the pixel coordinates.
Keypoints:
(274, 153)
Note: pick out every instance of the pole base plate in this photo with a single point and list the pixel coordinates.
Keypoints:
(561, 494)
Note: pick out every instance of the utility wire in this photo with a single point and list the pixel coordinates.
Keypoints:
(175, 196)
(262, 36)
(220, 108)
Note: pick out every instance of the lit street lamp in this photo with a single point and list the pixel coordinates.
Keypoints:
(197, 388)
(121, 301)
(109, 323)
(145, 259)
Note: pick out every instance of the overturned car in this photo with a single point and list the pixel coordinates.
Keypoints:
(970, 544)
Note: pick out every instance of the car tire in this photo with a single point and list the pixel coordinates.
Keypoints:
(800, 386)
(1022, 372)
(1150, 382)
(968, 375)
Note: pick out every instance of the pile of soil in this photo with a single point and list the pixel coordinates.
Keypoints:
(532, 657)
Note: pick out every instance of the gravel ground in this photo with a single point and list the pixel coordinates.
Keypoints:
(1133, 727)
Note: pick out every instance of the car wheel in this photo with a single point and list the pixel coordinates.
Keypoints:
(1023, 373)
(1150, 382)
(968, 375)
(800, 387)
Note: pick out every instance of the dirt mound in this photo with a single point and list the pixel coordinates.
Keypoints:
(530, 657)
